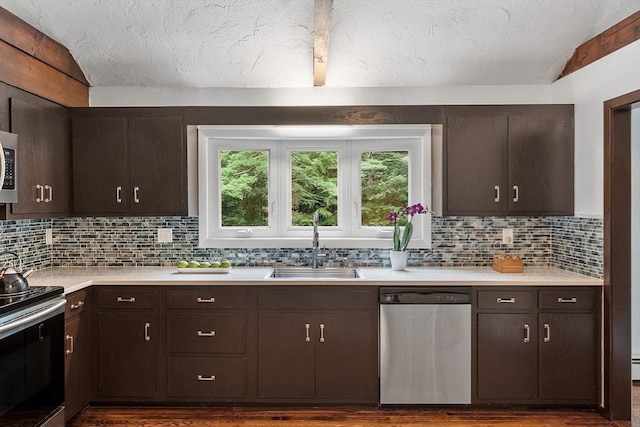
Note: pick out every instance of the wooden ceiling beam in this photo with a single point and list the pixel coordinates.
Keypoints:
(322, 28)
(623, 33)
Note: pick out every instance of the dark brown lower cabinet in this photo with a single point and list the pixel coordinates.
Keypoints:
(127, 354)
(568, 357)
(209, 355)
(127, 344)
(537, 345)
(323, 356)
(507, 362)
(318, 354)
(77, 362)
(206, 377)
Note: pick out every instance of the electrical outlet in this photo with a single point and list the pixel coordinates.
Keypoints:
(507, 236)
(48, 236)
(165, 235)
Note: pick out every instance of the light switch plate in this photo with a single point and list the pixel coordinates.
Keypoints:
(507, 236)
(165, 235)
(48, 236)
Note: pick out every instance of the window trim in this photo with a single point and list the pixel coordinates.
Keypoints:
(210, 235)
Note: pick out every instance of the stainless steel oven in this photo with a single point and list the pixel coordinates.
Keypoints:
(32, 358)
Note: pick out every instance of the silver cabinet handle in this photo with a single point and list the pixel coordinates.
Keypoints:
(147, 337)
(526, 333)
(120, 299)
(506, 300)
(49, 190)
(206, 300)
(40, 195)
(69, 350)
(76, 306)
(567, 300)
(119, 194)
(307, 337)
(547, 332)
(206, 334)
(135, 194)
(321, 332)
(206, 378)
(497, 188)
(516, 194)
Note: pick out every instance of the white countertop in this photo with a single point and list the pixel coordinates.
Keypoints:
(76, 278)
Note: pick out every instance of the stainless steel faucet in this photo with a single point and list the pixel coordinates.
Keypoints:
(316, 241)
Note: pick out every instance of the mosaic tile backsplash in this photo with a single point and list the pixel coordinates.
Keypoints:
(567, 242)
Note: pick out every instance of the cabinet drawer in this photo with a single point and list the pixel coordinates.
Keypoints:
(568, 299)
(206, 377)
(207, 298)
(77, 303)
(206, 332)
(506, 300)
(125, 297)
(313, 298)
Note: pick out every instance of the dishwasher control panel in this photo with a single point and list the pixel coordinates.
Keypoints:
(425, 296)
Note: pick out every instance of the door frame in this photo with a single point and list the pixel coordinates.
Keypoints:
(617, 256)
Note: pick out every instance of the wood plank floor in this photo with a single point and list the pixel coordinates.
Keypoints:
(98, 416)
(325, 417)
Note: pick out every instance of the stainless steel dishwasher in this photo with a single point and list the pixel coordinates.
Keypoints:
(425, 345)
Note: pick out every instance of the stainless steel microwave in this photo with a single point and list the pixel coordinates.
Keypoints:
(8, 167)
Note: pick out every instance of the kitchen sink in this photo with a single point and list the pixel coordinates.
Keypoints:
(314, 273)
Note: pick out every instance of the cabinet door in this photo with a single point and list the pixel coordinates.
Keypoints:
(77, 364)
(541, 164)
(157, 165)
(43, 173)
(286, 359)
(99, 165)
(127, 354)
(346, 356)
(507, 356)
(476, 164)
(568, 356)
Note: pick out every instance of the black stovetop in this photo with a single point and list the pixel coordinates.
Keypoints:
(34, 295)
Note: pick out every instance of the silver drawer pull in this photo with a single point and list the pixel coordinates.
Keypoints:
(547, 332)
(69, 350)
(206, 334)
(526, 333)
(40, 193)
(497, 198)
(506, 300)
(76, 306)
(307, 337)
(567, 300)
(120, 299)
(516, 194)
(147, 337)
(206, 300)
(321, 332)
(206, 377)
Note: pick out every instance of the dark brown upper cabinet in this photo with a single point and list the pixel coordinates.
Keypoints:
(43, 159)
(508, 160)
(128, 163)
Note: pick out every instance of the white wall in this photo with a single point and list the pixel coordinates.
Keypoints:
(635, 238)
(588, 88)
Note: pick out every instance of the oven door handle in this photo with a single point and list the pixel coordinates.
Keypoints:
(42, 314)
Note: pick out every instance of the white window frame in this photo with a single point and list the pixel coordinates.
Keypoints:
(280, 141)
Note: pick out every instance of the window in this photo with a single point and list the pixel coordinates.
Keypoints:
(259, 186)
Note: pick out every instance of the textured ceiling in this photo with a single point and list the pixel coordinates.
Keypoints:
(268, 43)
